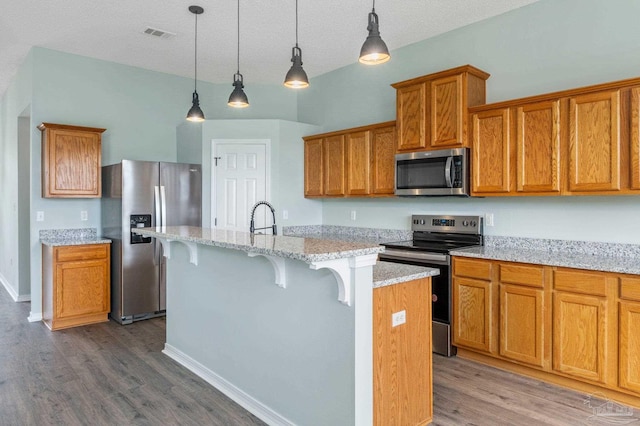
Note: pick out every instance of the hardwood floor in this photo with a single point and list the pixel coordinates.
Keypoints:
(108, 374)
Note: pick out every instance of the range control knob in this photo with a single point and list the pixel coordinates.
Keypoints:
(465, 223)
(422, 222)
(474, 223)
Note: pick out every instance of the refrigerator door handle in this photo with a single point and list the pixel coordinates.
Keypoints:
(163, 198)
(158, 221)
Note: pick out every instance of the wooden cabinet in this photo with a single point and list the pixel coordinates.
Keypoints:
(313, 168)
(473, 295)
(358, 162)
(431, 111)
(577, 142)
(594, 141)
(71, 160)
(76, 285)
(402, 372)
(583, 326)
(354, 162)
(491, 142)
(635, 138)
(383, 150)
(523, 329)
(629, 343)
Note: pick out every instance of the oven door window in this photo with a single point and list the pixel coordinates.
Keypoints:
(420, 173)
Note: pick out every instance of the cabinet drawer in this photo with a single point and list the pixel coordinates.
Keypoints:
(83, 252)
(523, 275)
(593, 283)
(464, 267)
(630, 288)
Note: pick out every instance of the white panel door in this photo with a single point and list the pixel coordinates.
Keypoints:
(240, 180)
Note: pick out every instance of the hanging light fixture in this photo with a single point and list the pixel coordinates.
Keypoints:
(296, 77)
(195, 113)
(238, 98)
(374, 51)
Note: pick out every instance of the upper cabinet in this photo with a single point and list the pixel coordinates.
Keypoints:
(71, 160)
(578, 142)
(431, 111)
(354, 162)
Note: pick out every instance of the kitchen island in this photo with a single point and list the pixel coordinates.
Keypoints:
(282, 325)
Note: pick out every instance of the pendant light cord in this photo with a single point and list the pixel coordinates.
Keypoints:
(374, 7)
(296, 23)
(238, 72)
(195, 81)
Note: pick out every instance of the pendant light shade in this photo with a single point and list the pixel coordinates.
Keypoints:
(296, 78)
(238, 98)
(195, 113)
(374, 50)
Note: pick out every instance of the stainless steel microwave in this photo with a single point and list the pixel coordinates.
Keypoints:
(442, 172)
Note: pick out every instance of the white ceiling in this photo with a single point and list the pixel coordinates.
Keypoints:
(331, 32)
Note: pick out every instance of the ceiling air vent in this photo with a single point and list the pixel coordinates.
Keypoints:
(156, 32)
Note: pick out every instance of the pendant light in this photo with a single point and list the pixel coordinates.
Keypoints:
(296, 77)
(238, 98)
(195, 113)
(374, 51)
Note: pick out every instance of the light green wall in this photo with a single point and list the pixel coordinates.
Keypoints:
(546, 46)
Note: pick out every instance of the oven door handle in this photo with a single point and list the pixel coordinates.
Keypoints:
(407, 255)
(447, 172)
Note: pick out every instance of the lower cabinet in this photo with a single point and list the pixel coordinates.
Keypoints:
(573, 327)
(76, 285)
(402, 380)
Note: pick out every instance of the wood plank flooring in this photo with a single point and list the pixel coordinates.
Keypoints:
(108, 374)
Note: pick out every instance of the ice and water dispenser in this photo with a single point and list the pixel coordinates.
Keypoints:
(139, 221)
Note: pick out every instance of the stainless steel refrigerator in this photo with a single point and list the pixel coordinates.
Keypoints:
(142, 194)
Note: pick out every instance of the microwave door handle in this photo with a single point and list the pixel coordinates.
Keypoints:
(447, 172)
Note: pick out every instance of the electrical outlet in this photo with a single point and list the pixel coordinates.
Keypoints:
(285, 214)
(398, 318)
(353, 215)
(40, 216)
(488, 219)
(84, 215)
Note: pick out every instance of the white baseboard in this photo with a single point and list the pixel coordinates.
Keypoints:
(12, 292)
(246, 401)
(35, 316)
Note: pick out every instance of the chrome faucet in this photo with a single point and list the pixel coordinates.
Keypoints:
(252, 226)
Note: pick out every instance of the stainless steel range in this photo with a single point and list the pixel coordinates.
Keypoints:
(433, 238)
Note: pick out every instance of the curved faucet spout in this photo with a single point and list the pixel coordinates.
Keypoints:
(252, 227)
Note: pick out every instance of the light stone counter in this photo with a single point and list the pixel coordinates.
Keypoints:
(595, 256)
(71, 237)
(389, 273)
(299, 248)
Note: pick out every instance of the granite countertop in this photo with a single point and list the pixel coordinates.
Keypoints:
(606, 257)
(389, 273)
(300, 248)
(71, 237)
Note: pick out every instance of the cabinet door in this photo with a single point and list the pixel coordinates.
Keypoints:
(82, 288)
(383, 148)
(313, 168)
(538, 147)
(521, 324)
(635, 138)
(491, 152)
(358, 162)
(472, 313)
(446, 112)
(402, 393)
(71, 164)
(594, 142)
(629, 346)
(334, 165)
(579, 340)
(411, 117)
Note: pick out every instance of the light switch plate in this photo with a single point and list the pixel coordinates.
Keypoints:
(84, 215)
(398, 318)
(40, 216)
